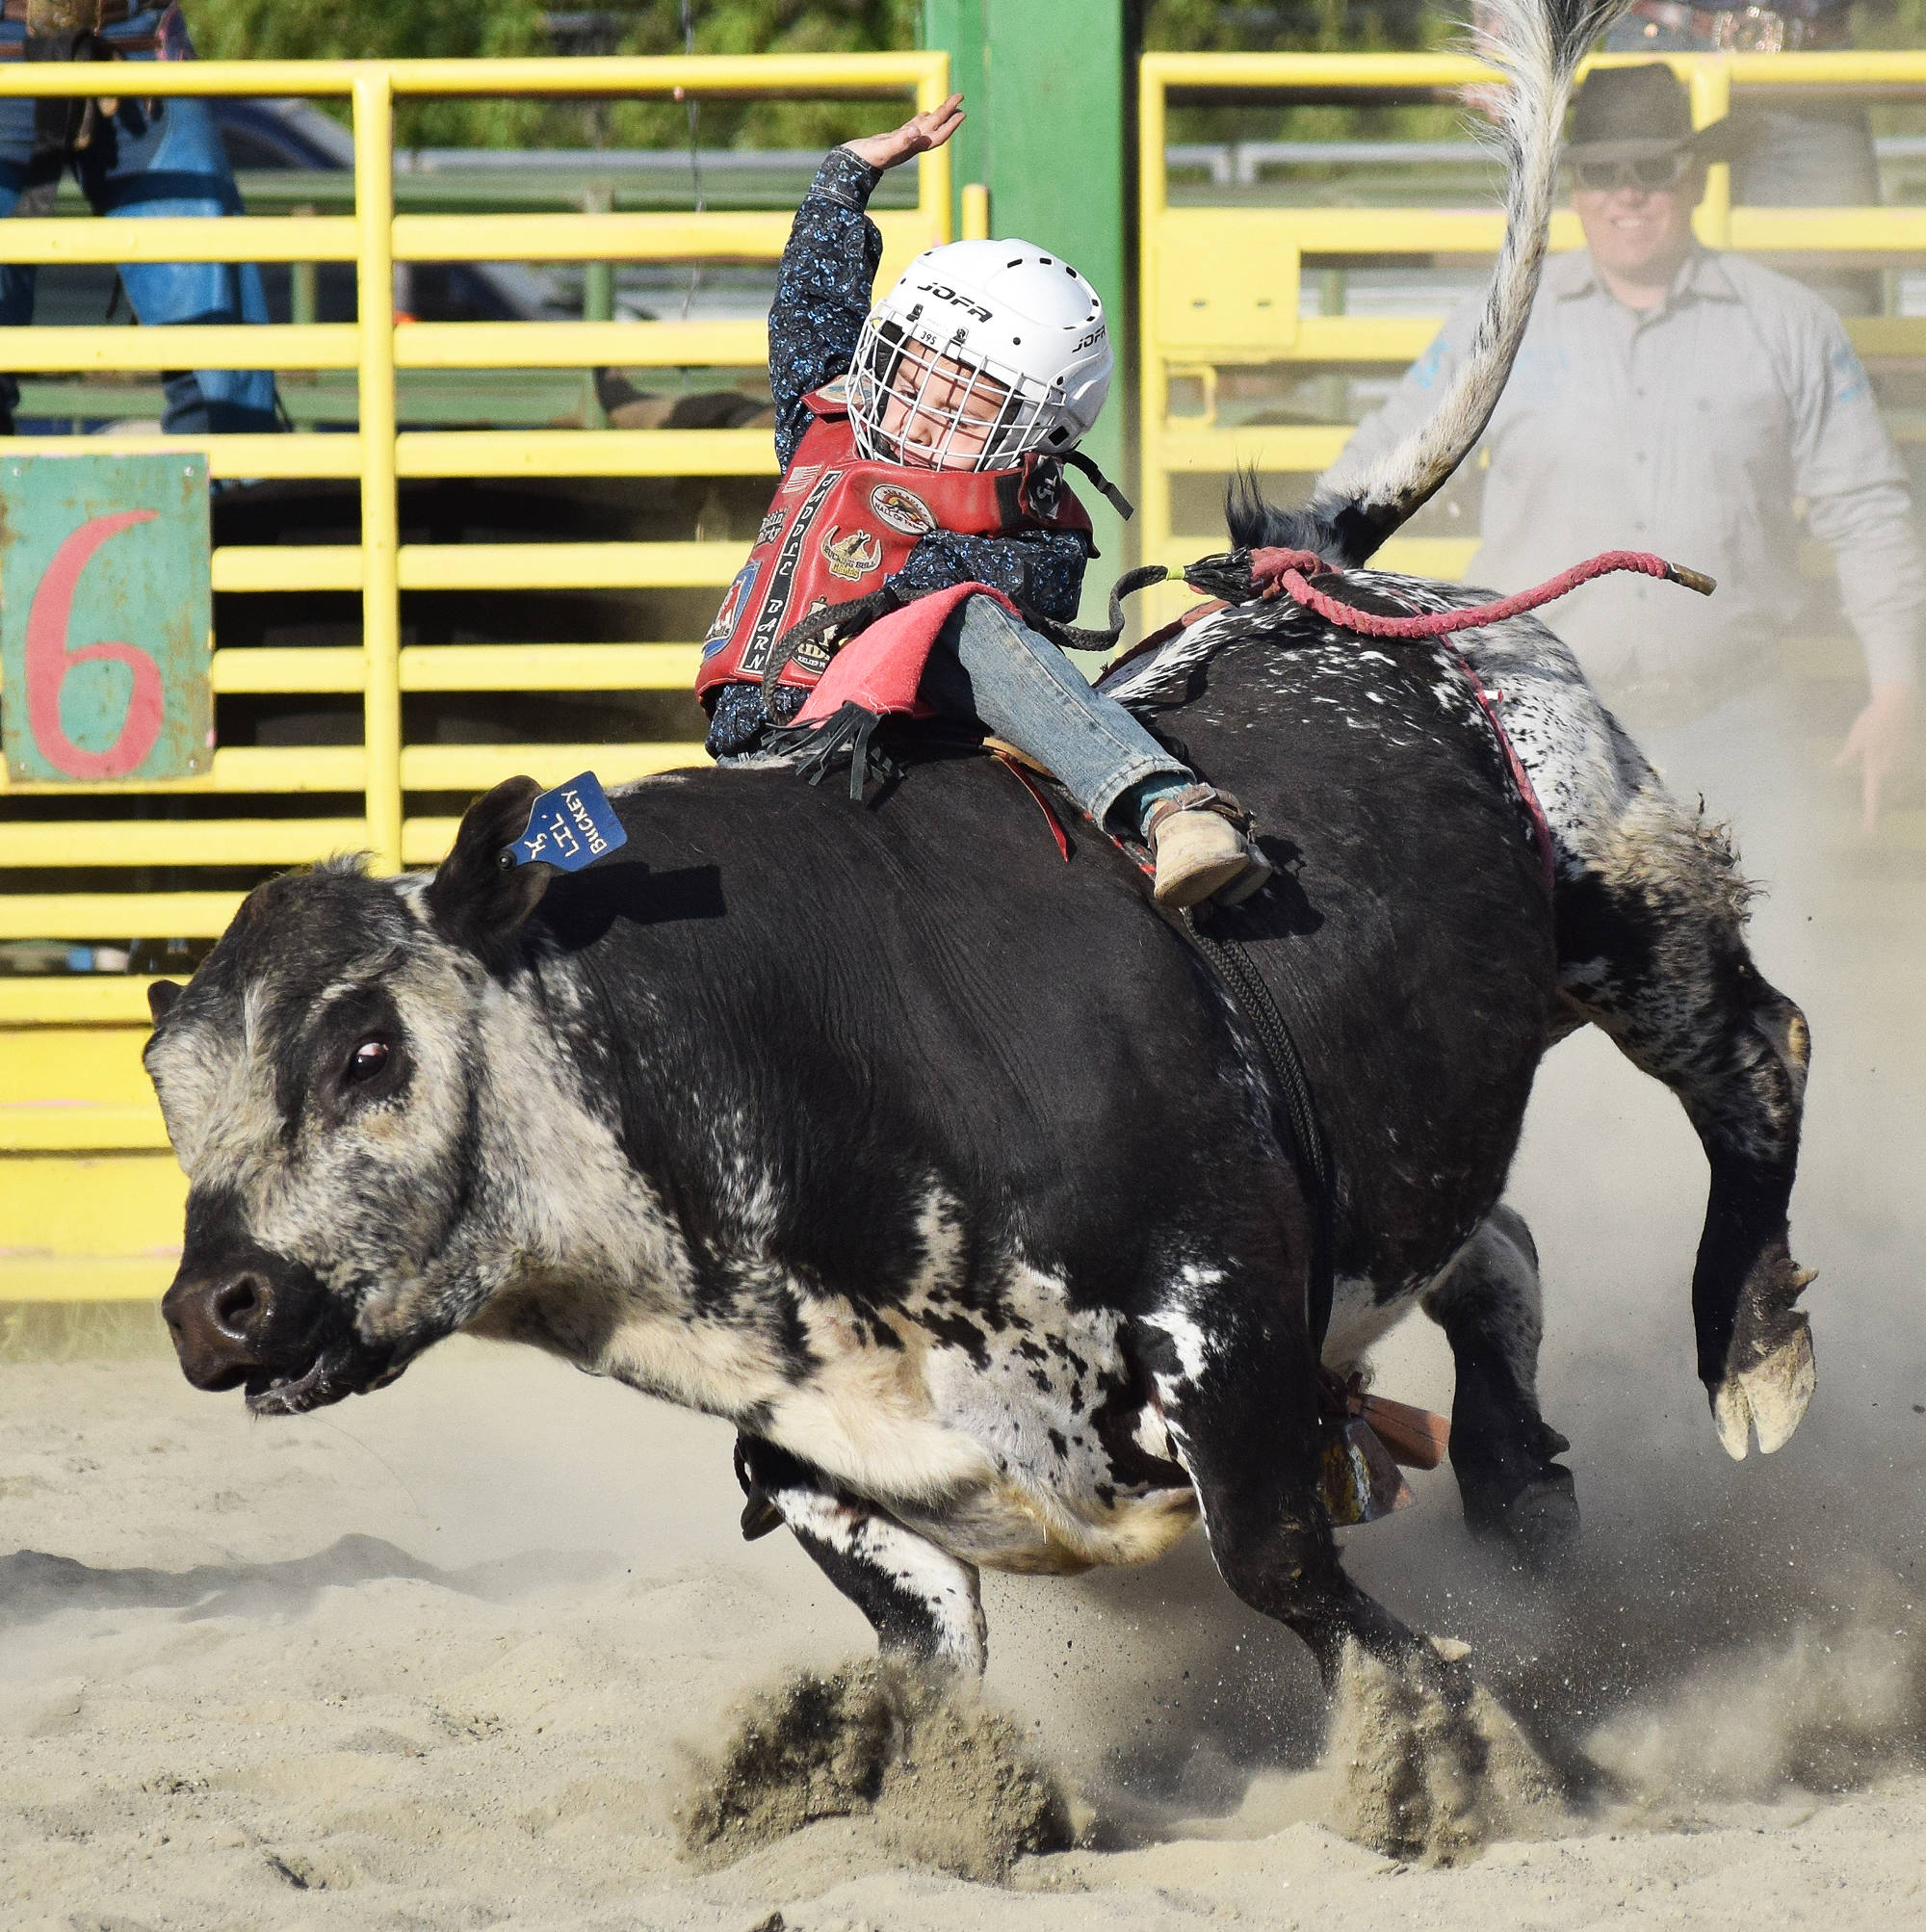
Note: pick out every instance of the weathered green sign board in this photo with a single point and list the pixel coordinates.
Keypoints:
(106, 604)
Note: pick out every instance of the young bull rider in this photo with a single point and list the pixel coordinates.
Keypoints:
(933, 470)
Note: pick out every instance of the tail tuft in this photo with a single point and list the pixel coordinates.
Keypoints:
(1257, 524)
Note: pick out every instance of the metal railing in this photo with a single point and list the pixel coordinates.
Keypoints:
(90, 1194)
(1226, 289)
(382, 770)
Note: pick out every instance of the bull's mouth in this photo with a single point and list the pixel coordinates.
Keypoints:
(332, 1376)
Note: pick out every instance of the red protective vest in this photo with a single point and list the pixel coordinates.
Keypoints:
(840, 524)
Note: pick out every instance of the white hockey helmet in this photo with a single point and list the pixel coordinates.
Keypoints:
(981, 352)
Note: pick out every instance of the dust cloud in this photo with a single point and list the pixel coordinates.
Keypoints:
(947, 1778)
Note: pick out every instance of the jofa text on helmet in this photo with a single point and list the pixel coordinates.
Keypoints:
(945, 293)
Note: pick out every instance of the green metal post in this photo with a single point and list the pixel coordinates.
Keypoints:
(957, 27)
(1049, 93)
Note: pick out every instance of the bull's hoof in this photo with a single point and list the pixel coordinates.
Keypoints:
(1538, 1524)
(1426, 1766)
(943, 1779)
(1770, 1397)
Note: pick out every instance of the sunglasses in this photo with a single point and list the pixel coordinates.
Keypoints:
(1650, 171)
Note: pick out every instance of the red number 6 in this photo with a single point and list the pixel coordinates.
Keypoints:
(50, 659)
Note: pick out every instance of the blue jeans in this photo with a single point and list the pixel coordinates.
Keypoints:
(158, 157)
(989, 666)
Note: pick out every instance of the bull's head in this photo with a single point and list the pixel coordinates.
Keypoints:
(318, 1079)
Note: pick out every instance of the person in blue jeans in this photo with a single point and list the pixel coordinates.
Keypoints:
(148, 157)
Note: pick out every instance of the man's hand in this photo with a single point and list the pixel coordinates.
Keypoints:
(916, 136)
(1878, 739)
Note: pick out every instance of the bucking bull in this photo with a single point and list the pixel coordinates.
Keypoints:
(847, 1123)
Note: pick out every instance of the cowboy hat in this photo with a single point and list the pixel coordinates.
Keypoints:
(1637, 113)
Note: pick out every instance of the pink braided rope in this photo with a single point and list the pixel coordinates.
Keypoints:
(1285, 570)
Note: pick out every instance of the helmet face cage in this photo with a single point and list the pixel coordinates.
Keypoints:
(956, 409)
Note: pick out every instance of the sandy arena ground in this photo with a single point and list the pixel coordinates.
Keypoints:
(449, 1657)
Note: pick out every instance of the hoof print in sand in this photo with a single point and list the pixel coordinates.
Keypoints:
(946, 1780)
(1426, 1765)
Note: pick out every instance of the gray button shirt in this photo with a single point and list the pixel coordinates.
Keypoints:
(1691, 430)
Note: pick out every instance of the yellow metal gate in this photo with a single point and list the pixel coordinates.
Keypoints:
(89, 1193)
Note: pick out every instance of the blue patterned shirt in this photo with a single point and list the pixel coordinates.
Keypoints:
(823, 297)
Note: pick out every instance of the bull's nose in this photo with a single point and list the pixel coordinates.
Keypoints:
(217, 1323)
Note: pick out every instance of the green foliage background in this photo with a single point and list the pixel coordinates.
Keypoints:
(459, 29)
(390, 29)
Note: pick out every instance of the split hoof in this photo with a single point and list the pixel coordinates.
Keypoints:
(1541, 1523)
(1769, 1398)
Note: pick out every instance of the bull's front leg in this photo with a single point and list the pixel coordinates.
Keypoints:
(1236, 1383)
(923, 1604)
(1416, 1742)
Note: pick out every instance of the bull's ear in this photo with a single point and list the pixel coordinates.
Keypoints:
(474, 899)
(161, 997)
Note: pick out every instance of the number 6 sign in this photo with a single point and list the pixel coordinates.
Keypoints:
(105, 610)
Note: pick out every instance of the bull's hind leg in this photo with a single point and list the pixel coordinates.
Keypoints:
(1489, 1305)
(1652, 949)
(922, 1603)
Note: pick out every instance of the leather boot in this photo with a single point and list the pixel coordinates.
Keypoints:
(1198, 853)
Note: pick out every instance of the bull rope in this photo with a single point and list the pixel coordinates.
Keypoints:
(1280, 572)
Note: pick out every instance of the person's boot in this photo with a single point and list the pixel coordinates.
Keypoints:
(1200, 849)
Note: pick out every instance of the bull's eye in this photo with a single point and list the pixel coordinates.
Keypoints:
(367, 1060)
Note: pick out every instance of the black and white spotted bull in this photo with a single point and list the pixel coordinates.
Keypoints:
(943, 1170)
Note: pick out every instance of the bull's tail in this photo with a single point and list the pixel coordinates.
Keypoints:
(1538, 46)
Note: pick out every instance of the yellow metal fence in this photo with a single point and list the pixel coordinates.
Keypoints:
(1221, 287)
(90, 1196)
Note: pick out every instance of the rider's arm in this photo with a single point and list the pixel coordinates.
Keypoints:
(822, 290)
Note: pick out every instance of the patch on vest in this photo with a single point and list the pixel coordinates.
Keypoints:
(771, 527)
(799, 478)
(569, 827)
(732, 603)
(852, 556)
(812, 655)
(903, 509)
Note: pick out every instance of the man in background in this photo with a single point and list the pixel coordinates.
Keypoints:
(1670, 397)
(1806, 151)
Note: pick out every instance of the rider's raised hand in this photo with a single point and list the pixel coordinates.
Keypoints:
(918, 135)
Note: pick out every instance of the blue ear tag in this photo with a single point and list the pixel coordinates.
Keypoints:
(569, 827)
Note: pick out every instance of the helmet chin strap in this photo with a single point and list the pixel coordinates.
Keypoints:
(1077, 460)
